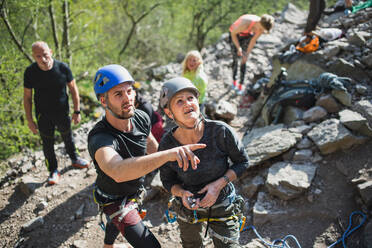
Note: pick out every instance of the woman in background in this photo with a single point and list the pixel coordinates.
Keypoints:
(192, 69)
(244, 33)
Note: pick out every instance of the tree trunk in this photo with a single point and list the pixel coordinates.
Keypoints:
(4, 17)
(54, 29)
(66, 30)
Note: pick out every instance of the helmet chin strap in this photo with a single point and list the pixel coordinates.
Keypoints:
(200, 119)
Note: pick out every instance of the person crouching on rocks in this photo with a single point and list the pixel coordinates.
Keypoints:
(244, 33)
(205, 194)
(118, 145)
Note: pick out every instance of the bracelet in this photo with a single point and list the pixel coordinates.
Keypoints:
(226, 178)
(77, 112)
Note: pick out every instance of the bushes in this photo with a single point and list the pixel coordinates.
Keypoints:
(14, 132)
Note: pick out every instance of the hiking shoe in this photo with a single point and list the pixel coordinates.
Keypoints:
(54, 177)
(234, 85)
(240, 92)
(80, 163)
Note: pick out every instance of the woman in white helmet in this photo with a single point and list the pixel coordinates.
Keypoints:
(205, 194)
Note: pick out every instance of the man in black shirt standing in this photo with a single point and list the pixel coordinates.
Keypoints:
(48, 78)
(118, 145)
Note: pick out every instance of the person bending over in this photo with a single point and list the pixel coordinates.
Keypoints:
(244, 33)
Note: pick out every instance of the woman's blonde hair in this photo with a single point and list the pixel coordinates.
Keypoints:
(267, 22)
(194, 53)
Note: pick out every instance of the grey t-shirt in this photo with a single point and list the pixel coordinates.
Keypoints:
(222, 143)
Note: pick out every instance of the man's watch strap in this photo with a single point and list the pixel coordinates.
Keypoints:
(77, 112)
(226, 178)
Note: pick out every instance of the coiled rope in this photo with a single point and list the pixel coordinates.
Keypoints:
(282, 243)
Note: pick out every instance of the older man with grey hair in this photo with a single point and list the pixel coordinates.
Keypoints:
(47, 79)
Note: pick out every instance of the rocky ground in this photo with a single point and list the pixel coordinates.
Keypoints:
(33, 214)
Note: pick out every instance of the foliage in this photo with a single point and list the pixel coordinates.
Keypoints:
(14, 134)
(88, 34)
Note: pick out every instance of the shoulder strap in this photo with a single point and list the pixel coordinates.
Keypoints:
(250, 26)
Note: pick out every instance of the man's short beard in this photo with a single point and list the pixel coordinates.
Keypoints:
(120, 116)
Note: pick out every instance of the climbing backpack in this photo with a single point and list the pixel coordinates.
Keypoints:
(308, 44)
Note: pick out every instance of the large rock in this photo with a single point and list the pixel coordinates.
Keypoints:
(365, 190)
(294, 15)
(314, 114)
(288, 181)
(226, 111)
(292, 114)
(356, 39)
(28, 185)
(270, 141)
(266, 210)
(301, 69)
(33, 224)
(341, 67)
(250, 186)
(331, 135)
(342, 96)
(351, 119)
(368, 235)
(364, 107)
(329, 103)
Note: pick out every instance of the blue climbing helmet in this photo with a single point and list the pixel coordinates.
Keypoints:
(108, 77)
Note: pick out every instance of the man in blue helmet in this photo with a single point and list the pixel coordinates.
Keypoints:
(118, 145)
(47, 78)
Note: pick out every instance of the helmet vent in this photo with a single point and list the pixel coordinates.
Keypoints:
(104, 81)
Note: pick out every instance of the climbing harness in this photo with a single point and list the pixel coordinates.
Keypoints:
(124, 208)
(282, 243)
(172, 216)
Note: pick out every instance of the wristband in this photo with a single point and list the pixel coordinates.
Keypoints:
(77, 112)
(226, 178)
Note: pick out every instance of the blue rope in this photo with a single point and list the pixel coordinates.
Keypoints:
(348, 231)
(282, 243)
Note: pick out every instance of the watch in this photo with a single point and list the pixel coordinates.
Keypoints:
(226, 178)
(77, 112)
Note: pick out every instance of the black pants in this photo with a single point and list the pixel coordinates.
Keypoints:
(315, 12)
(47, 124)
(244, 42)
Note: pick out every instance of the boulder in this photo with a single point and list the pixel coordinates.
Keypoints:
(33, 224)
(302, 155)
(314, 114)
(329, 103)
(294, 15)
(269, 141)
(351, 119)
(342, 96)
(330, 136)
(365, 190)
(289, 180)
(364, 107)
(250, 186)
(266, 210)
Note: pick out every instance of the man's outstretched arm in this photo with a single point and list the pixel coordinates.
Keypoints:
(122, 170)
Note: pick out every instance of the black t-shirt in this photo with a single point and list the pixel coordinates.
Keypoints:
(143, 105)
(50, 87)
(222, 145)
(127, 144)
